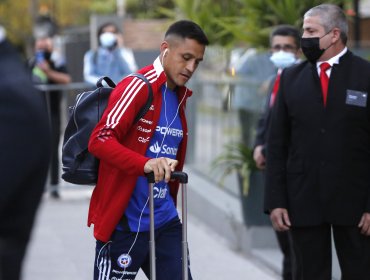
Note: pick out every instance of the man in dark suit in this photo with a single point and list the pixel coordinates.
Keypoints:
(285, 51)
(24, 157)
(318, 156)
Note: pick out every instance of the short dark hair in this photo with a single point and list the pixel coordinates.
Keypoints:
(287, 30)
(187, 29)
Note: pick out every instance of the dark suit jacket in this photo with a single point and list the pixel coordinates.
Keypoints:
(264, 120)
(318, 161)
(24, 144)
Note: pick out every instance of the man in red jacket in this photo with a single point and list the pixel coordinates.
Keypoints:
(119, 206)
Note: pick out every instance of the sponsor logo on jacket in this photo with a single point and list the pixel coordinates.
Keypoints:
(143, 129)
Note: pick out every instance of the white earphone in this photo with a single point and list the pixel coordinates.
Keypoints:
(164, 54)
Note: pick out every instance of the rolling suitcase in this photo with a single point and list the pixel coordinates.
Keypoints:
(182, 177)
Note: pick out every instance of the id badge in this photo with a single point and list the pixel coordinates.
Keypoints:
(356, 98)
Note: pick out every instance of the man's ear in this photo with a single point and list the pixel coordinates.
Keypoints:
(299, 53)
(336, 35)
(164, 46)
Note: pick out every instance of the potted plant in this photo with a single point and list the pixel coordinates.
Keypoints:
(238, 158)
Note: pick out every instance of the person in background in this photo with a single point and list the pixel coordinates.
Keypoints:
(255, 68)
(285, 51)
(111, 58)
(318, 155)
(48, 67)
(24, 160)
(157, 143)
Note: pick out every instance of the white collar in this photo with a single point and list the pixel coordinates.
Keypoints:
(158, 66)
(333, 60)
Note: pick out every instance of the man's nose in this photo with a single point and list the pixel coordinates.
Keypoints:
(191, 66)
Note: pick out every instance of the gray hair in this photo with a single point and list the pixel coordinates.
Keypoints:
(331, 16)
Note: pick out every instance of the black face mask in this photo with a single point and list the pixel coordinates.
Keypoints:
(47, 55)
(311, 48)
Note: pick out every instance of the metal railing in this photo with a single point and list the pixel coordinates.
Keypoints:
(216, 119)
(64, 87)
(69, 91)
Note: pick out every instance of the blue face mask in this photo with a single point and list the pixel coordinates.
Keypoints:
(107, 40)
(282, 59)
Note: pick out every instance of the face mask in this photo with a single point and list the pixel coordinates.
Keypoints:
(47, 55)
(42, 55)
(311, 48)
(282, 59)
(107, 40)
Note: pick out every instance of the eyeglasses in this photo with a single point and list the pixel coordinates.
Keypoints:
(284, 48)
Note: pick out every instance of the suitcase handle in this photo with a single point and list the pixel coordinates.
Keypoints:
(182, 177)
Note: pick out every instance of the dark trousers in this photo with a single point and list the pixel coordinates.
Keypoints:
(54, 107)
(284, 241)
(17, 217)
(12, 252)
(55, 139)
(313, 252)
(127, 252)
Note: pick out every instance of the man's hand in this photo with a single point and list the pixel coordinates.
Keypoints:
(53, 75)
(258, 157)
(120, 42)
(162, 168)
(44, 66)
(280, 219)
(364, 224)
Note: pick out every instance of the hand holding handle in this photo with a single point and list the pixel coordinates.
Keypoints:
(182, 177)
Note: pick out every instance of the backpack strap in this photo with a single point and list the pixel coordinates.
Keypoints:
(106, 79)
(149, 101)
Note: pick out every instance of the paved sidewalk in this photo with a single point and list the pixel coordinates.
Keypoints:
(62, 246)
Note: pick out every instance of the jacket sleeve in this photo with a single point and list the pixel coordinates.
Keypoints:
(277, 153)
(89, 70)
(264, 120)
(107, 138)
(262, 125)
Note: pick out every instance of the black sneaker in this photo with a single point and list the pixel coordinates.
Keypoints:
(55, 194)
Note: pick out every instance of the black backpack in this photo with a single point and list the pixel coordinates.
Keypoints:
(79, 166)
